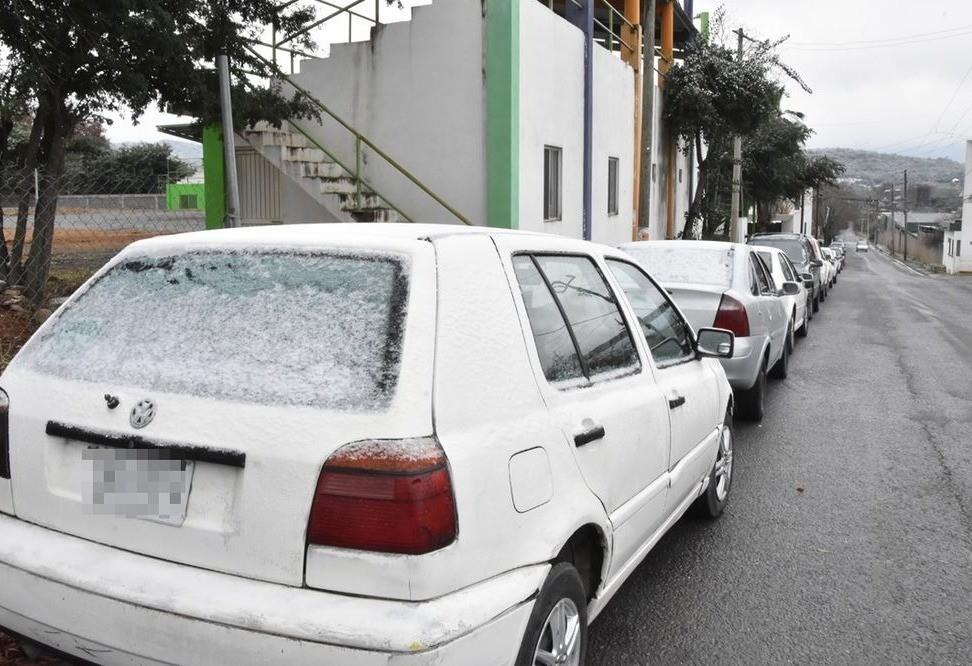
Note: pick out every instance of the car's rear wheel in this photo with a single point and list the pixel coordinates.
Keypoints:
(557, 630)
(749, 403)
(807, 316)
(713, 501)
(782, 367)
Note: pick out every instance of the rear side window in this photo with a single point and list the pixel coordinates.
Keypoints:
(558, 355)
(762, 279)
(588, 312)
(318, 330)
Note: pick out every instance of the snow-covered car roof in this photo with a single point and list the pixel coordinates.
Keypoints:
(318, 235)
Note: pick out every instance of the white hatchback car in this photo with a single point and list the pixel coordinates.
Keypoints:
(344, 444)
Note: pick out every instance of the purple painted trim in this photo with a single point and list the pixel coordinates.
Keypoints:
(583, 18)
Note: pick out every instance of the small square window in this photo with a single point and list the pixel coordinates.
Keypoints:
(613, 185)
(552, 188)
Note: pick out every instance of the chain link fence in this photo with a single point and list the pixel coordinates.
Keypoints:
(56, 232)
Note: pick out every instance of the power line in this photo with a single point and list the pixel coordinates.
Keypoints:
(885, 39)
(952, 98)
(907, 42)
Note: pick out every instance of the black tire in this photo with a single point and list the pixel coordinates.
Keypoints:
(750, 403)
(805, 329)
(563, 582)
(782, 367)
(816, 304)
(709, 505)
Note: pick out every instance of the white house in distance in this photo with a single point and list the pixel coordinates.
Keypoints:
(957, 250)
(522, 114)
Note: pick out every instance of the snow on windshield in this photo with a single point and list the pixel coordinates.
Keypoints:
(320, 330)
(680, 264)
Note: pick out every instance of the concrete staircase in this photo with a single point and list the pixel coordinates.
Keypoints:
(327, 182)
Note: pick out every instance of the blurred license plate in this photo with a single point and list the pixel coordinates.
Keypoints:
(137, 483)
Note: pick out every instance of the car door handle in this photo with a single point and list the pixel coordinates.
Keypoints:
(592, 434)
(676, 401)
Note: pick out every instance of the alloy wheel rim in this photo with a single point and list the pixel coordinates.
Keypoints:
(560, 639)
(723, 468)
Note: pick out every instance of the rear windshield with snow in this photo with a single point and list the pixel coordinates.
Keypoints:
(684, 264)
(321, 330)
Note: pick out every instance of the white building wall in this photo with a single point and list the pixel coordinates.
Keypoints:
(417, 90)
(552, 114)
(614, 131)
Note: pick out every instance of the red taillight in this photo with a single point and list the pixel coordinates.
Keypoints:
(390, 496)
(732, 317)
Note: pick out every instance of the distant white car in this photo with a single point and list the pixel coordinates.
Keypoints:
(726, 286)
(799, 305)
(831, 262)
(351, 444)
(862, 246)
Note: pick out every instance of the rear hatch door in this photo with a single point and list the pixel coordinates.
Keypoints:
(236, 372)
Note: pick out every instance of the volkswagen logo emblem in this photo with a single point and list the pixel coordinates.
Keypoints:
(142, 414)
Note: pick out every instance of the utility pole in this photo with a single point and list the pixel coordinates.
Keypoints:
(736, 167)
(894, 224)
(229, 144)
(904, 207)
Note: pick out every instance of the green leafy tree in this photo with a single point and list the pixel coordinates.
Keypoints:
(714, 95)
(776, 166)
(78, 59)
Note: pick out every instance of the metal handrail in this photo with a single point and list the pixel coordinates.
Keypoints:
(360, 140)
(615, 21)
(339, 9)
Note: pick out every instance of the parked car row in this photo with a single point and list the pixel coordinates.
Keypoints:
(364, 443)
(766, 292)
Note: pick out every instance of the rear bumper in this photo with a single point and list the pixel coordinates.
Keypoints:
(114, 607)
(743, 368)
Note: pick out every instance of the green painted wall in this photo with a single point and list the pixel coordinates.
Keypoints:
(213, 167)
(174, 193)
(502, 113)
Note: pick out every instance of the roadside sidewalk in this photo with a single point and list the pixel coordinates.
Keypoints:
(916, 268)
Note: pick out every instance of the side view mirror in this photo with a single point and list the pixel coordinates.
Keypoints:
(715, 343)
(807, 277)
(790, 289)
(816, 263)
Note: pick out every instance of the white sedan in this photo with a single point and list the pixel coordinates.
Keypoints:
(727, 286)
(798, 305)
(862, 246)
(351, 444)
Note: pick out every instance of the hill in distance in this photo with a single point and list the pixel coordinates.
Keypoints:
(873, 168)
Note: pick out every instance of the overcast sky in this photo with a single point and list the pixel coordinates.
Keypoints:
(889, 75)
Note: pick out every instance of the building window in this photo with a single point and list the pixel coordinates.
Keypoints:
(552, 177)
(613, 185)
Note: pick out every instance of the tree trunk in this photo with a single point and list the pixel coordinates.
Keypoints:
(38, 266)
(695, 208)
(26, 165)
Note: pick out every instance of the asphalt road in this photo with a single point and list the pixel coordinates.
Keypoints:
(848, 537)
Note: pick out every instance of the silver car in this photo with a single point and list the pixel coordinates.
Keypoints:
(727, 285)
